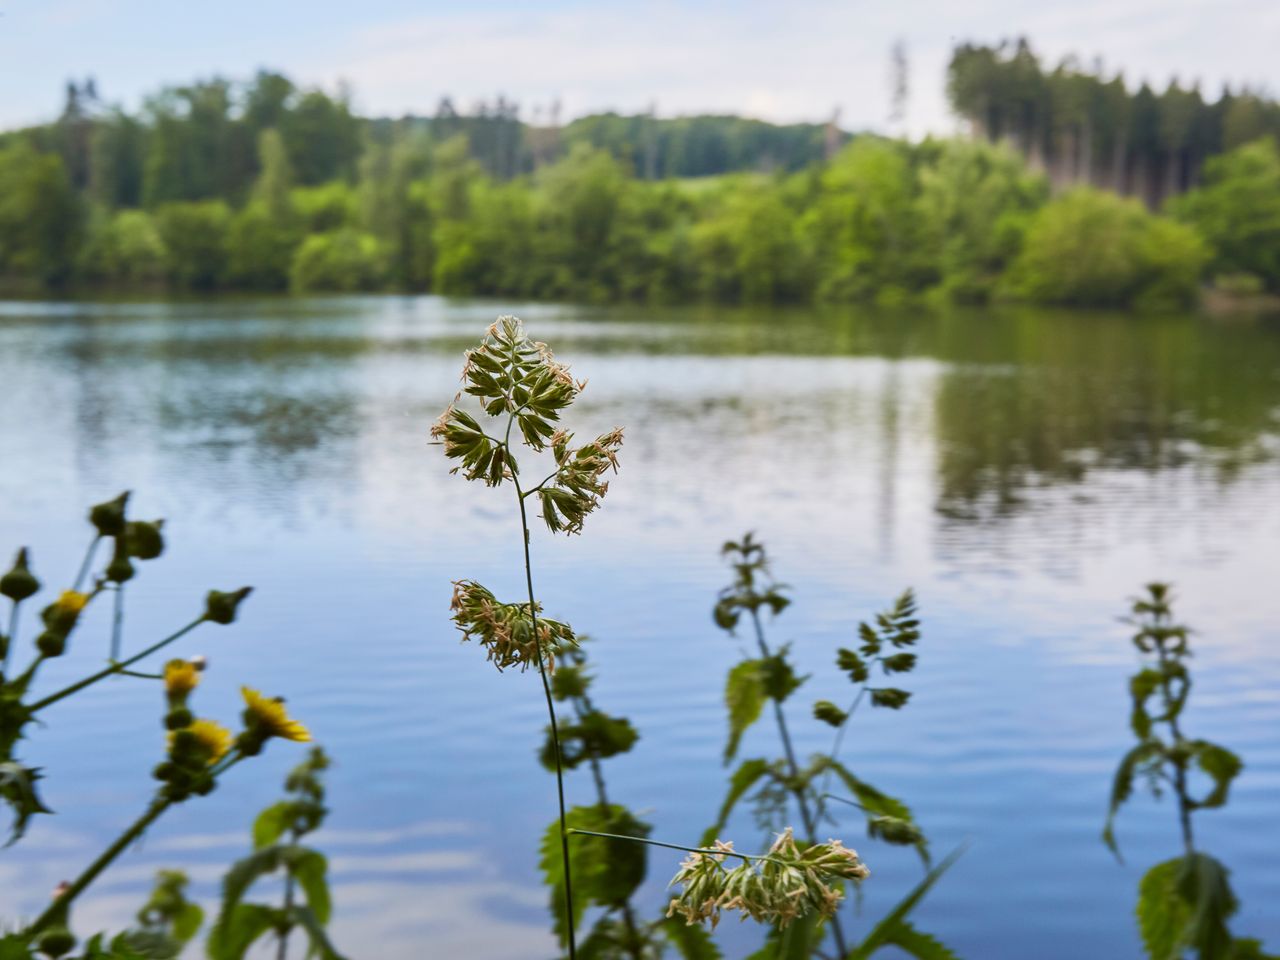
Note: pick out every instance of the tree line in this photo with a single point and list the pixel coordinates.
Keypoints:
(1082, 126)
(268, 187)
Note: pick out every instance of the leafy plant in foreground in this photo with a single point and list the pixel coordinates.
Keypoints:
(198, 753)
(1183, 903)
(518, 384)
(770, 678)
(277, 833)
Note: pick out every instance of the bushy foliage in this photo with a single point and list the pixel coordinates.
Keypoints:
(1237, 210)
(1090, 248)
(343, 261)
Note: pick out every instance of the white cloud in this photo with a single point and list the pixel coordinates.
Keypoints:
(792, 62)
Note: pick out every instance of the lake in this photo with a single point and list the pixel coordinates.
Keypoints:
(1026, 472)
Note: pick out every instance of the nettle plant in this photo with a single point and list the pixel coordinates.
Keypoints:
(521, 391)
(305, 902)
(198, 753)
(784, 784)
(1184, 903)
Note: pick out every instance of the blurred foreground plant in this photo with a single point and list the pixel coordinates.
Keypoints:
(199, 752)
(1183, 903)
(276, 835)
(518, 384)
(884, 650)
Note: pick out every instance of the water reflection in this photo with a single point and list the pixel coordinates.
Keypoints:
(1020, 470)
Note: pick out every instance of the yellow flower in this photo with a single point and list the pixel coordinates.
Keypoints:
(71, 603)
(180, 677)
(212, 736)
(269, 716)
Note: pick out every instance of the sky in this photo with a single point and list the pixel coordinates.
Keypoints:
(801, 60)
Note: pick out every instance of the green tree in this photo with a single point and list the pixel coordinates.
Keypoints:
(41, 217)
(1088, 248)
(196, 237)
(1238, 210)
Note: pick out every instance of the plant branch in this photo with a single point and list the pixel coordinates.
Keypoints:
(115, 667)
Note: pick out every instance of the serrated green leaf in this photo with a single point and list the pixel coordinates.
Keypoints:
(915, 943)
(1203, 884)
(743, 779)
(1162, 913)
(605, 871)
(875, 803)
(271, 824)
(744, 695)
(239, 928)
(1122, 786)
(888, 927)
(1221, 765)
(320, 944)
(691, 940)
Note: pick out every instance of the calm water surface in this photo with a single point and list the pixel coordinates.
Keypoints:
(1026, 473)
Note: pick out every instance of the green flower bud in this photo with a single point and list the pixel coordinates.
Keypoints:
(144, 540)
(108, 517)
(55, 942)
(120, 570)
(205, 785)
(178, 718)
(221, 607)
(828, 712)
(19, 583)
(51, 644)
(164, 771)
(250, 742)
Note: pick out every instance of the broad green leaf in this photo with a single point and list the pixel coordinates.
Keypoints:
(1202, 882)
(1122, 786)
(797, 941)
(915, 943)
(1221, 765)
(271, 824)
(239, 928)
(691, 940)
(187, 923)
(877, 804)
(320, 945)
(310, 868)
(605, 871)
(883, 932)
(1162, 913)
(744, 695)
(743, 779)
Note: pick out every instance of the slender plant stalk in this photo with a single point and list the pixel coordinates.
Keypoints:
(13, 636)
(56, 910)
(282, 947)
(117, 622)
(597, 774)
(823, 795)
(710, 851)
(115, 667)
(1179, 769)
(551, 712)
(810, 825)
(87, 562)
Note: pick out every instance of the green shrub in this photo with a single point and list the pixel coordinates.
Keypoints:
(196, 236)
(341, 261)
(1089, 248)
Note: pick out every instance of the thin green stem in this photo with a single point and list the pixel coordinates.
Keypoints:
(551, 712)
(810, 825)
(86, 562)
(710, 851)
(12, 638)
(1179, 767)
(57, 909)
(282, 948)
(835, 750)
(115, 667)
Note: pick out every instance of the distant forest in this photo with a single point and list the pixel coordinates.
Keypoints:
(1081, 126)
(1072, 189)
(200, 142)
